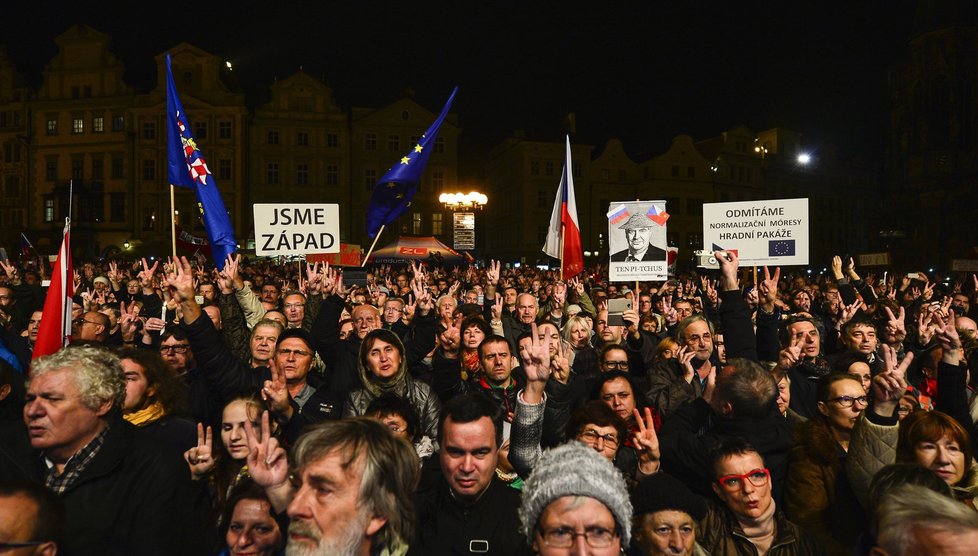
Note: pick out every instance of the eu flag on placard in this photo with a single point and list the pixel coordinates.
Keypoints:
(781, 248)
(396, 188)
(186, 167)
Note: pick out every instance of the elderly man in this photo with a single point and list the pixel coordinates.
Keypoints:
(90, 327)
(666, 517)
(916, 520)
(74, 441)
(350, 490)
(638, 232)
(576, 502)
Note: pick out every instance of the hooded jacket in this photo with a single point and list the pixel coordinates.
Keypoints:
(402, 384)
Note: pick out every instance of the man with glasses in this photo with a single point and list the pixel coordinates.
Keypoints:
(295, 309)
(748, 520)
(576, 503)
(90, 327)
(282, 384)
(393, 313)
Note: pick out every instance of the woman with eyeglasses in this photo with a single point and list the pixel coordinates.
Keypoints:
(747, 520)
(817, 493)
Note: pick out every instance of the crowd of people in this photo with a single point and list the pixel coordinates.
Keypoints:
(275, 407)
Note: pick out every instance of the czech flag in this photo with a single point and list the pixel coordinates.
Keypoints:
(565, 231)
(54, 331)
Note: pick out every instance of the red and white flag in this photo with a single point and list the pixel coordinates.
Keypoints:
(564, 216)
(54, 332)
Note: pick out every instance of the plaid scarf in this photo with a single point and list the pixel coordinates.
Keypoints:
(74, 466)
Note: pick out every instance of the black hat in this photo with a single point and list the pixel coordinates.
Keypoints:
(662, 492)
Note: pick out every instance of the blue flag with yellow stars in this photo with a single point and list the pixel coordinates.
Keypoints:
(396, 188)
(186, 167)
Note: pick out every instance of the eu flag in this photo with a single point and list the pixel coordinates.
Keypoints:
(396, 188)
(781, 248)
(186, 167)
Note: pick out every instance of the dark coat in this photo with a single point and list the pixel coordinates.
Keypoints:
(723, 536)
(653, 253)
(449, 526)
(817, 494)
(135, 497)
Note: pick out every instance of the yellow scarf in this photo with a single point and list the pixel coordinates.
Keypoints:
(146, 415)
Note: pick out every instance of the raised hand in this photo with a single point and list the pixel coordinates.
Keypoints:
(887, 389)
(492, 273)
(646, 442)
(497, 308)
(947, 336)
(729, 263)
(201, 457)
(896, 369)
(791, 355)
(895, 325)
(537, 366)
(267, 461)
(837, 267)
(450, 340)
(848, 312)
(769, 288)
(560, 364)
(180, 278)
(560, 295)
(145, 276)
(275, 392)
(925, 328)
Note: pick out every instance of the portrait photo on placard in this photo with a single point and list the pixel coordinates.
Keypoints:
(637, 243)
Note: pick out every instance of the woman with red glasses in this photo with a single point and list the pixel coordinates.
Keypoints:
(748, 520)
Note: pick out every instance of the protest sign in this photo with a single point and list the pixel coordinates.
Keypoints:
(637, 241)
(296, 229)
(766, 232)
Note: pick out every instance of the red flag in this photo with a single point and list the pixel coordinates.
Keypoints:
(564, 228)
(54, 332)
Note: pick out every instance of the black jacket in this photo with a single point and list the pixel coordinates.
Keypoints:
(135, 497)
(448, 526)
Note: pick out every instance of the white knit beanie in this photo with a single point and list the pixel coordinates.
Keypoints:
(573, 469)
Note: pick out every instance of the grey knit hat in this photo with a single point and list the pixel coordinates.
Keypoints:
(573, 469)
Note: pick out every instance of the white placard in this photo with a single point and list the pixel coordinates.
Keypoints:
(768, 232)
(296, 229)
(637, 244)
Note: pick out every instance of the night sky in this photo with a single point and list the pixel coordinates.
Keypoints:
(642, 72)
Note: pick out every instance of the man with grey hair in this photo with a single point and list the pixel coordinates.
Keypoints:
(122, 493)
(916, 520)
(370, 476)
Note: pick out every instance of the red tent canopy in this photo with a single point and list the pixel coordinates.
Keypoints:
(417, 248)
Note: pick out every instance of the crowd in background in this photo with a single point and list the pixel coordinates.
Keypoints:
(485, 409)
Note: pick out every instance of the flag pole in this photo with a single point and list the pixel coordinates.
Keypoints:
(173, 225)
(372, 245)
(561, 249)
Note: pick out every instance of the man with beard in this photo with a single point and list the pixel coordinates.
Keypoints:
(351, 487)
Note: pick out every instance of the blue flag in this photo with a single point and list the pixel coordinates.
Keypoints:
(396, 188)
(186, 167)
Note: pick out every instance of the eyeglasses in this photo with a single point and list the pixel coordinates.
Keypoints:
(620, 365)
(295, 352)
(294, 305)
(80, 321)
(564, 537)
(757, 477)
(177, 348)
(847, 401)
(592, 436)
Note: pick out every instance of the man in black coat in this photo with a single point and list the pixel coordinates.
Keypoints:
(122, 493)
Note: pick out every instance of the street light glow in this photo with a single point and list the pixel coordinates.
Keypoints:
(804, 158)
(466, 200)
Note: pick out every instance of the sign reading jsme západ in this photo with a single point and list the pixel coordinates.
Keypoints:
(296, 229)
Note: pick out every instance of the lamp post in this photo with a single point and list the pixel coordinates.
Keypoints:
(462, 205)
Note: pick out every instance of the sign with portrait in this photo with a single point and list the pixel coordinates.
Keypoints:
(637, 244)
(765, 232)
